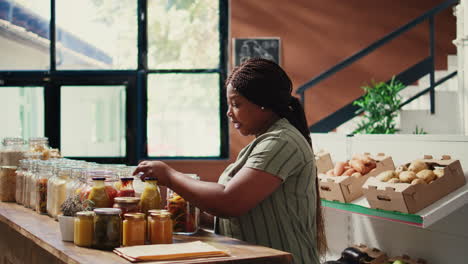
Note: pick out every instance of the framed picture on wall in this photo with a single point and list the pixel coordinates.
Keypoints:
(246, 48)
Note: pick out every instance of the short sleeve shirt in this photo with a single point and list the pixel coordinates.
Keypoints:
(285, 220)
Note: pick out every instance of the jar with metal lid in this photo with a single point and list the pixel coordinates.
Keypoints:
(39, 145)
(185, 215)
(12, 152)
(32, 184)
(151, 197)
(58, 190)
(107, 228)
(161, 228)
(83, 229)
(134, 227)
(43, 176)
(127, 204)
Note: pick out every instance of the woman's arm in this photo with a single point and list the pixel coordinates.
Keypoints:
(246, 189)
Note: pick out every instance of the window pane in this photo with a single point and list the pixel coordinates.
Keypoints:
(24, 35)
(183, 34)
(22, 112)
(93, 121)
(96, 34)
(183, 115)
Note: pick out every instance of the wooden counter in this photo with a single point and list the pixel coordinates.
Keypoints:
(26, 237)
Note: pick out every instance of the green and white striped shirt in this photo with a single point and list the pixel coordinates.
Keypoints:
(286, 219)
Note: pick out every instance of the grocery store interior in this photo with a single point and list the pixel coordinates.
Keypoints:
(91, 88)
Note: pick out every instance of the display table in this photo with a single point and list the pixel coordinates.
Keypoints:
(27, 237)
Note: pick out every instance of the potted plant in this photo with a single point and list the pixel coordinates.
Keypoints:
(380, 107)
(72, 205)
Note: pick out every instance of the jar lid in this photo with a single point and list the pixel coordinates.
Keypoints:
(108, 211)
(126, 179)
(99, 179)
(161, 215)
(156, 211)
(127, 199)
(134, 216)
(85, 214)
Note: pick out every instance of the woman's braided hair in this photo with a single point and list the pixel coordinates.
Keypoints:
(266, 84)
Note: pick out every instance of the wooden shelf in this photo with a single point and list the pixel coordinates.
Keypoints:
(423, 218)
(44, 232)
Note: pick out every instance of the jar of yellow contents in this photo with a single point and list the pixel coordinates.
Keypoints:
(83, 229)
(134, 227)
(161, 228)
(148, 221)
(150, 198)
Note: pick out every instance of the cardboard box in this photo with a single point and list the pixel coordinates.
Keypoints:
(406, 259)
(407, 198)
(346, 188)
(378, 256)
(323, 162)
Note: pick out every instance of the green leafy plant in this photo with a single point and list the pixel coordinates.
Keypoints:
(73, 204)
(380, 107)
(419, 131)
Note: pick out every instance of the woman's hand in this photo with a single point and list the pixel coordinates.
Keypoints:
(157, 169)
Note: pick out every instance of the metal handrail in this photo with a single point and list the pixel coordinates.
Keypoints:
(358, 55)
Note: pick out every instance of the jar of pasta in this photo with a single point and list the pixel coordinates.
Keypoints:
(134, 227)
(107, 228)
(83, 229)
(43, 176)
(161, 228)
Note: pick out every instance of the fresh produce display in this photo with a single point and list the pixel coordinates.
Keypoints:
(184, 215)
(359, 165)
(417, 172)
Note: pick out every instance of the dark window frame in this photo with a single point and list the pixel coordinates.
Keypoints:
(136, 90)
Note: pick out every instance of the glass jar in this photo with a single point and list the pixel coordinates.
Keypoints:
(7, 183)
(74, 183)
(20, 174)
(151, 197)
(13, 151)
(98, 195)
(107, 228)
(40, 145)
(83, 229)
(127, 204)
(161, 228)
(185, 215)
(134, 227)
(32, 184)
(43, 176)
(58, 191)
(148, 220)
(126, 187)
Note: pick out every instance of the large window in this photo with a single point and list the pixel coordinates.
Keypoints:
(116, 81)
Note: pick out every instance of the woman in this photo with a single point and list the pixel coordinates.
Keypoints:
(269, 195)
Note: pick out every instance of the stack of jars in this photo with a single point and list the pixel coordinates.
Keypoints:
(104, 228)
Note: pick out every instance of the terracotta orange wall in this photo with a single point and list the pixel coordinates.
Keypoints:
(315, 35)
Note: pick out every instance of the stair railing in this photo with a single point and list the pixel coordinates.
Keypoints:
(412, 73)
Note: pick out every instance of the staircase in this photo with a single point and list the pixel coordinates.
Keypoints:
(426, 91)
(416, 117)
